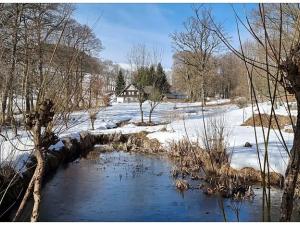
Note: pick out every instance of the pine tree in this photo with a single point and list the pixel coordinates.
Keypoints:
(161, 80)
(160, 87)
(120, 83)
(152, 85)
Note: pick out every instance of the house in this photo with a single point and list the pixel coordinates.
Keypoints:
(175, 95)
(129, 94)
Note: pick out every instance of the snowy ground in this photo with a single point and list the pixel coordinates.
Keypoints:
(184, 119)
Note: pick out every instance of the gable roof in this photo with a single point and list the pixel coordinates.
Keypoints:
(128, 88)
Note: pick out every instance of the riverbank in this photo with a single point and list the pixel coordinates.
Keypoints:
(67, 150)
(176, 124)
(176, 121)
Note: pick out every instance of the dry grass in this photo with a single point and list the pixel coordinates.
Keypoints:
(191, 158)
(241, 102)
(147, 124)
(220, 178)
(213, 162)
(7, 172)
(141, 143)
(93, 116)
(265, 118)
(10, 187)
(248, 175)
(181, 185)
(214, 138)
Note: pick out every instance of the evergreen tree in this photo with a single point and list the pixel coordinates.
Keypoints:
(152, 85)
(160, 87)
(161, 81)
(120, 83)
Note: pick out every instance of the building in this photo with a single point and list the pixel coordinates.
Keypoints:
(129, 94)
(175, 95)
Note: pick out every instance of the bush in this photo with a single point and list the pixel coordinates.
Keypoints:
(106, 100)
(93, 116)
(215, 140)
(211, 162)
(241, 102)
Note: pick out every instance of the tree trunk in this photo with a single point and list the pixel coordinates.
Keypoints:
(203, 94)
(10, 106)
(92, 122)
(25, 83)
(27, 101)
(9, 80)
(77, 85)
(142, 113)
(40, 63)
(291, 174)
(25, 198)
(35, 183)
(39, 172)
(90, 94)
(150, 115)
(38, 187)
(26, 87)
(31, 101)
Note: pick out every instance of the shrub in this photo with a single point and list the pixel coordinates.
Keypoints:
(214, 138)
(93, 116)
(241, 102)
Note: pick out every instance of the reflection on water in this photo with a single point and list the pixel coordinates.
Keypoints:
(134, 187)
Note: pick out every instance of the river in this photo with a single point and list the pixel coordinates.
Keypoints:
(120, 186)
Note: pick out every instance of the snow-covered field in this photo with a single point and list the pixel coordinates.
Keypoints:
(183, 119)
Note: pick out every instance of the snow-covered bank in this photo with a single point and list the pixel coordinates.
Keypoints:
(184, 119)
(238, 136)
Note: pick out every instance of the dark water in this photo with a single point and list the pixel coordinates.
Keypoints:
(134, 187)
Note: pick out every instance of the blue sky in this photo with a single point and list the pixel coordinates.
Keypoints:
(122, 25)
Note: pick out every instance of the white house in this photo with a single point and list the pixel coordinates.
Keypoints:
(129, 94)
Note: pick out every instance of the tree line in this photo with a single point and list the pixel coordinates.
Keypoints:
(48, 69)
(45, 53)
(202, 65)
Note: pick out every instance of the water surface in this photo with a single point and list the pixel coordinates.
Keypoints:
(121, 186)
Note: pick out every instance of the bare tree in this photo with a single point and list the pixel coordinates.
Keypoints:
(140, 59)
(279, 66)
(16, 11)
(196, 45)
(53, 53)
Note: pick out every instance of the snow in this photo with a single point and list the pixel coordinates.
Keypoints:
(218, 101)
(75, 136)
(16, 152)
(247, 157)
(57, 147)
(181, 120)
(126, 66)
